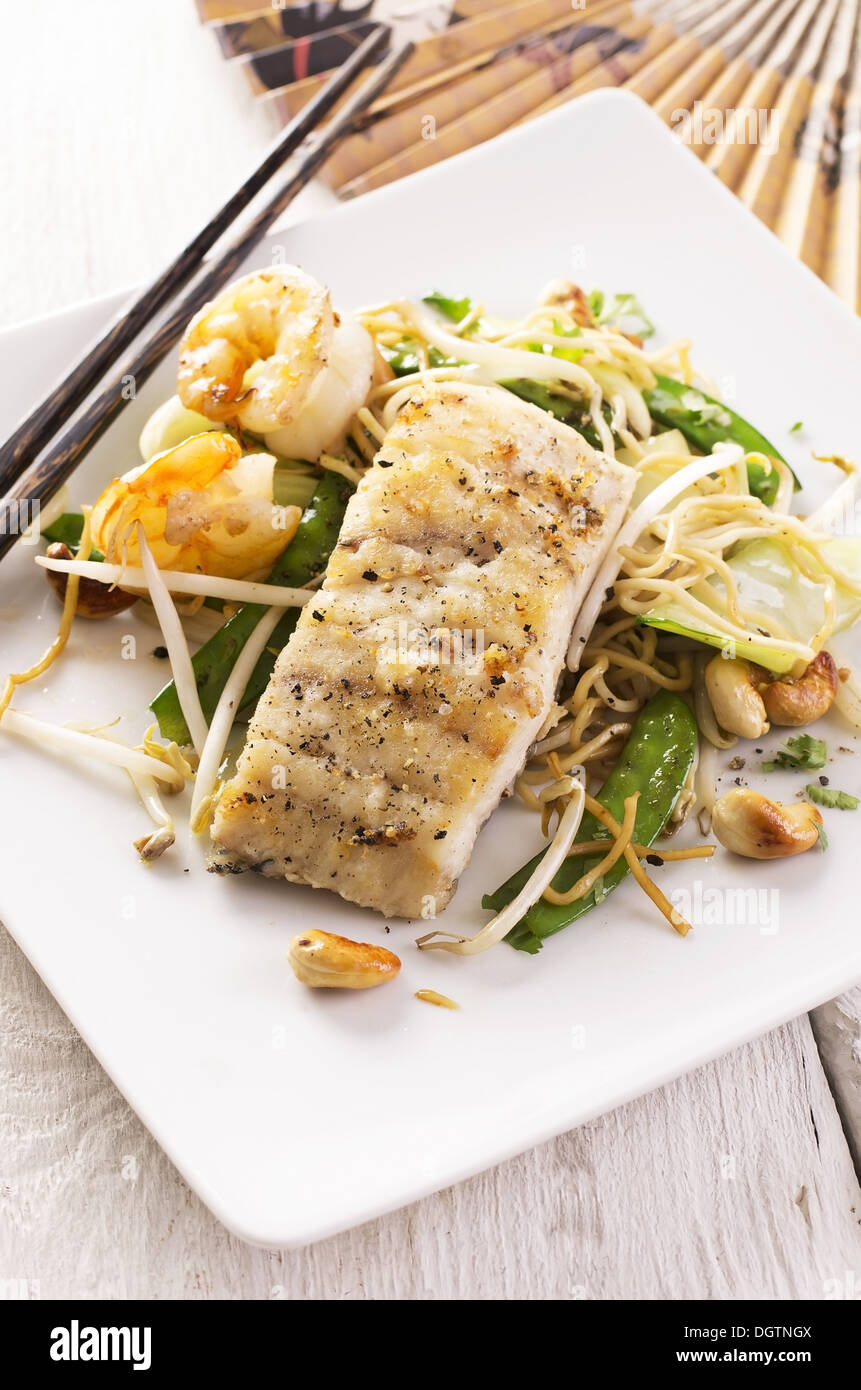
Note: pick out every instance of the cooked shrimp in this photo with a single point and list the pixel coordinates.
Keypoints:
(280, 319)
(270, 355)
(203, 506)
(338, 392)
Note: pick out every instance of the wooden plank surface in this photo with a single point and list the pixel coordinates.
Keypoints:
(837, 1031)
(736, 1181)
(733, 1182)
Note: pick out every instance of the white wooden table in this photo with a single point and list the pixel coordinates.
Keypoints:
(124, 129)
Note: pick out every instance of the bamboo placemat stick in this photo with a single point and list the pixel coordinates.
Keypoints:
(653, 64)
(731, 158)
(487, 32)
(802, 214)
(271, 26)
(729, 86)
(510, 105)
(442, 77)
(687, 16)
(478, 105)
(615, 70)
(763, 185)
(209, 10)
(229, 11)
(651, 80)
(481, 59)
(690, 85)
(842, 260)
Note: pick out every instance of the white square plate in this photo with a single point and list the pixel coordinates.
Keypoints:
(295, 1114)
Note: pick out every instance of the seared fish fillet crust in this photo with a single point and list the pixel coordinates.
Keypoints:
(407, 698)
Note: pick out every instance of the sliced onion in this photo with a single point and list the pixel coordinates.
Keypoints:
(848, 698)
(507, 363)
(824, 518)
(666, 492)
(708, 726)
(105, 750)
(225, 711)
(500, 925)
(177, 582)
(177, 646)
(705, 785)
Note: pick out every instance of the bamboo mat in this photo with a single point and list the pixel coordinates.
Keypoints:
(766, 92)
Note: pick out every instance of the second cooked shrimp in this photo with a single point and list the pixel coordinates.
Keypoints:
(203, 507)
(339, 391)
(261, 356)
(280, 323)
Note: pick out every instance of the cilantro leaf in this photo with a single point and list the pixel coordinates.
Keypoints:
(403, 357)
(705, 411)
(831, 797)
(454, 309)
(801, 751)
(568, 354)
(622, 311)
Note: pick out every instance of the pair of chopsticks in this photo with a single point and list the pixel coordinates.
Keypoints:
(28, 481)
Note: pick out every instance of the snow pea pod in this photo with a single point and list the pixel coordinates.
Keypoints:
(705, 422)
(655, 762)
(573, 413)
(305, 556)
(68, 529)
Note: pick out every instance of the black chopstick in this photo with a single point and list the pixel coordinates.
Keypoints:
(19, 508)
(43, 422)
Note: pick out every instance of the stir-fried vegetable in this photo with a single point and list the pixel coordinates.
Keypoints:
(622, 311)
(454, 309)
(67, 529)
(705, 422)
(655, 762)
(171, 425)
(293, 484)
(702, 420)
(573, 413)
(790, 599)
(403, 357)
(305, 556)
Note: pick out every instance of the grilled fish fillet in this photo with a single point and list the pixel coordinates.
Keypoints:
(407, 698)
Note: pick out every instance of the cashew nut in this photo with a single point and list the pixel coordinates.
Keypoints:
(571, 297)
(732, 689)
(95, 600)
(749, 824)
(325, 961)
(744, 699)
(802, 701)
